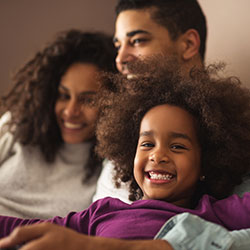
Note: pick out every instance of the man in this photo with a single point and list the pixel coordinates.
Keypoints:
(175, 28)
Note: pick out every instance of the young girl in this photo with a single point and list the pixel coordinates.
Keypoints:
(47, 163)
(178, 142)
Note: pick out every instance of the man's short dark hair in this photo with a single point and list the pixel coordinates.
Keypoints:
(176, 15)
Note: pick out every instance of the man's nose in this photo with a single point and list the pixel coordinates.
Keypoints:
(124, 55)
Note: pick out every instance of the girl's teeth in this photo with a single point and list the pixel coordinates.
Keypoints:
(155, 176)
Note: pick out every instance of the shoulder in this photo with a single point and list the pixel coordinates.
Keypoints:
(6, 141)
(5, 118)
(106, 185)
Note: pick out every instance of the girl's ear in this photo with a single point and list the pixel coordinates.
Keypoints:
(190, 44)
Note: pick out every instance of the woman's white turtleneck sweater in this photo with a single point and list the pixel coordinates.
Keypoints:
(30, 187)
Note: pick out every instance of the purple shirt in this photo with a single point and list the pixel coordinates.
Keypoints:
(111, 217)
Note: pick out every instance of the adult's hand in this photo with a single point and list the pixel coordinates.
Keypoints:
(47, 236)
(43, 236)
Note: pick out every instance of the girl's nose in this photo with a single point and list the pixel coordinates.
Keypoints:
(159, 156)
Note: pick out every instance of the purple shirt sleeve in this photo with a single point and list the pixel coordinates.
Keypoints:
(142, 219)
(78, 221)
(234, 212)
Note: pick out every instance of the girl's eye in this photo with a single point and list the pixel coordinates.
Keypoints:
(178, 147)
(147, 145)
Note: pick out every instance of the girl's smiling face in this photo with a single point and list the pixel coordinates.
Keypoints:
(168, 155)
(76, 116)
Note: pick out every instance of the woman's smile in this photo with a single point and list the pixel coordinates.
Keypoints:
(73, 125)
(75, 113)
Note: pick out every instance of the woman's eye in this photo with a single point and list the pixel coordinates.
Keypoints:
(63, 96)
(87, 100)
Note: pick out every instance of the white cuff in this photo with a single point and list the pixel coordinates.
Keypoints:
(186, 231)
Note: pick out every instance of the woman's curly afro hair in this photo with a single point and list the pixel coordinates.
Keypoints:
(221, 107)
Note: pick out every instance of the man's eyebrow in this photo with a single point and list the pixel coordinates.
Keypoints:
(135, 32)
(132, 33)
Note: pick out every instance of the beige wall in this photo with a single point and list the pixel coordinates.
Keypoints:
(229, 35)
(25, 25)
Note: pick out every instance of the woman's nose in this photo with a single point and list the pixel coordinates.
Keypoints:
(72, 108)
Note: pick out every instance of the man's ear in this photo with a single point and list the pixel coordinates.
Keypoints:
(190, 44)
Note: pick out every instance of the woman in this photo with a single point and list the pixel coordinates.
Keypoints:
(48, 166)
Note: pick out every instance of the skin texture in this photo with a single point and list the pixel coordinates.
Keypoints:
(75, 117)
(138, 36)
(168, 145)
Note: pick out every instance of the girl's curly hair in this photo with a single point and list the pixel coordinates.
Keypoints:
(220, 105)
(32, 98)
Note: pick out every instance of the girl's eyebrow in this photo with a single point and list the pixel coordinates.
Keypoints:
(180, 135)
(146, 133)
(171, 134)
